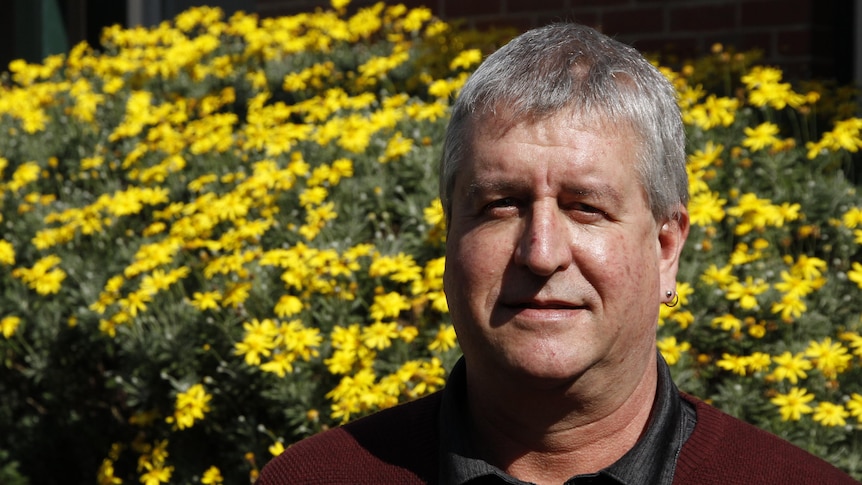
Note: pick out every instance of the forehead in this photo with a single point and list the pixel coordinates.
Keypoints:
(555, 153)
(496, 124)
(563, 136)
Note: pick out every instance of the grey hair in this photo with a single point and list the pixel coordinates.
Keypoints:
(566, 66)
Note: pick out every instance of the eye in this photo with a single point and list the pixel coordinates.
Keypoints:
(502, 206)
(585, 211)
(504, 202)
(586, 208)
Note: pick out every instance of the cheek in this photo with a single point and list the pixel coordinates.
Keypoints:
(474, 268)
(621, 267)
(479, 255)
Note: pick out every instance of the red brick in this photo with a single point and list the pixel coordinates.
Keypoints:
(796, 70)
(515, 6)
(760, 41)
(671, 50)
(776, 13)
(707, 17)
(518, 23)
(794, 43)
(598, 3)
(432, 5)
(585, 18)
(468, 8)
(636, 20)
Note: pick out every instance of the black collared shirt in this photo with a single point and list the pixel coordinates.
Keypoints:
(652, 460)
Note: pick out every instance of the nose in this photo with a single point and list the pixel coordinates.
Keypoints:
(544, 246)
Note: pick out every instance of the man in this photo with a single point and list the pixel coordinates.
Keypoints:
(564, 185)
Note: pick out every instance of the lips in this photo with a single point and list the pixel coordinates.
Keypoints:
(543, 304)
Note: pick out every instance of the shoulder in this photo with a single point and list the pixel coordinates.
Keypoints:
(396, 445)
(726, 450)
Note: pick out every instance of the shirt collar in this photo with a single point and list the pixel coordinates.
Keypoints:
(651, 460)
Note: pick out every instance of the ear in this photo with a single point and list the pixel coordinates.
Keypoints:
(671, 238)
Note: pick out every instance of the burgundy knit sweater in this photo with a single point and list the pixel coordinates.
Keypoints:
(400, 446)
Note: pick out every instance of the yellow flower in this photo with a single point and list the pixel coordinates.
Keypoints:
(190, 406)
(830, 414)
(466, 59)
(713, 112)
(793, 404)
(758, 361)
(259, 340)
(397, 147)
(746, 293)
(790, 307)
(212, 476)
(389, 305)
(682, 318)
(706, 208)
(760, 75)
(236, 294)
(855, 342)
(855, 274)
(844, 136)
(206, 301)
(341, 361)
(156, 474)
(722, 277)
(830, 358)
(728, 322)
(276, 448)
(9, 325)
(288, 305)
(26, 173)
(854, 405)
(44, 276)
(790, 367)
(280, 364)
(300, 341)
(795, 285)
(754, 213)
(808, 267)
(672, 350)
(379, 335)
(433, 214)
(416, 17)
(377, 67)
(733, 363)
(106, 475)
(7, 253)
(401, 268)
(852, 218)
(757, 331)
(135, 303)
(444, 340)
(776, 95)
(760, 137)
(340, 4)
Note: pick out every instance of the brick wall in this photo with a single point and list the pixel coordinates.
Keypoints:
(807, 38)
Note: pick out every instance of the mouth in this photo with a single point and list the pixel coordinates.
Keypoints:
(535, 313)
(544, 305)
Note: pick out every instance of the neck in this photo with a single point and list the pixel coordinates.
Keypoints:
(549, 434)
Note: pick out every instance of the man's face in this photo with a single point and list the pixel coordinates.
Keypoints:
(555, 265)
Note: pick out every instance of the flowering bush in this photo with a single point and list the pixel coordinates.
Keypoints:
(222, 235)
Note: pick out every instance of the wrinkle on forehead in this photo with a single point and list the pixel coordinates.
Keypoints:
(496, 123)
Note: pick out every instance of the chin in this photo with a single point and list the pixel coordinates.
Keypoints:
(548, 370)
